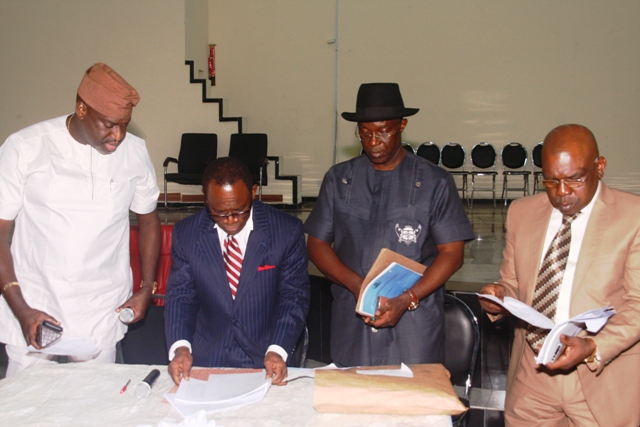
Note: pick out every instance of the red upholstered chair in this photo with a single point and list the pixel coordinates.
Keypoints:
(164, 264)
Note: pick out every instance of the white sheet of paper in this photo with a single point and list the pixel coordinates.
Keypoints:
(404, 371)
(295, 373)
(70, 346)
(592, 321)
(220, 391)
(522, 311)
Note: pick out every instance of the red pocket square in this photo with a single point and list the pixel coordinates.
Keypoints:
(266, 267)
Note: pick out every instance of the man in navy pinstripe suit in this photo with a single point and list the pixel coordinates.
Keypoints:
(204, 324)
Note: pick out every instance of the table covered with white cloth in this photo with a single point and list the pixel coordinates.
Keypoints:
(82, 394)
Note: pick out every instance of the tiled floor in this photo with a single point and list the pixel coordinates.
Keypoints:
(481, 265)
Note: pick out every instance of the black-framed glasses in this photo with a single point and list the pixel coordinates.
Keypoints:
(381, 136)
(225, 217)
(571, 183)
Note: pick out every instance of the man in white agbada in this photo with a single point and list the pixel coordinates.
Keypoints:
(68, 185)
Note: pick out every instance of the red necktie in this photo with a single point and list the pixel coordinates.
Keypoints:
(233, 262)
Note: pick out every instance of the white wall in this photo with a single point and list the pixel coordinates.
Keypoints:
(495, 71)
(47, 46)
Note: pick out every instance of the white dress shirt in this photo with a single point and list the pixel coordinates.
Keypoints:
(578, 229)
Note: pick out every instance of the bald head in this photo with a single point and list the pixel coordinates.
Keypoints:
(571, 137)
(571, 167)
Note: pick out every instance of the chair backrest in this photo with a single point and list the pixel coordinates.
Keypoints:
(536, 155)
(196, 151)
(514, 156)
(483, 156)
(144, 342)
(408, 147)
(462, 341)
(429, 151)
(453, 156)
(251, 148)
(164, 262)
(299, 355)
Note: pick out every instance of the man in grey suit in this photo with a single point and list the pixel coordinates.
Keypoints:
(238, 292)
(596, 379)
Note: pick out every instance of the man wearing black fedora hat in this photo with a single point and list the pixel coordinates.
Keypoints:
(386, 198)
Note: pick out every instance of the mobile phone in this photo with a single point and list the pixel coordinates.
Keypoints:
(47, 333)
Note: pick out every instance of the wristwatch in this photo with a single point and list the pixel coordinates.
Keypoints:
(153, 289)
(415, 302)
(594, 355)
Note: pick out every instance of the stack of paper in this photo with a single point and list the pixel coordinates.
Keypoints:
(592, 321)
(220, 391)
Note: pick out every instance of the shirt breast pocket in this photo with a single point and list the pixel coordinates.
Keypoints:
(120, 196)
(407, 230)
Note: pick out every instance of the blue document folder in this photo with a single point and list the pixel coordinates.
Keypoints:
(394, 280)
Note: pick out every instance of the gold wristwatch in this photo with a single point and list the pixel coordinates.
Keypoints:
(153, 289)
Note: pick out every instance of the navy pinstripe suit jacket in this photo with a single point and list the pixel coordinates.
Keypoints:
(272, 299)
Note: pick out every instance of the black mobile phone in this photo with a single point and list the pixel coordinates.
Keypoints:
(48, 333)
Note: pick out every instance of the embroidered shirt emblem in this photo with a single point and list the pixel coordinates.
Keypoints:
(408, 234)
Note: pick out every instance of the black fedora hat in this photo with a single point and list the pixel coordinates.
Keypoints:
(377, 102)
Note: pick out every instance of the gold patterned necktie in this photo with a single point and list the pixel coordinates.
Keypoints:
(233, 263)
(545, 297)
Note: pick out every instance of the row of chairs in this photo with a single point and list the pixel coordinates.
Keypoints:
(483, 158)
(198, 149)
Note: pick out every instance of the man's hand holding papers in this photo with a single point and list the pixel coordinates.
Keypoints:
(561, 335)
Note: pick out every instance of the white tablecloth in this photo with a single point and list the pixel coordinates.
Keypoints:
(83, 394)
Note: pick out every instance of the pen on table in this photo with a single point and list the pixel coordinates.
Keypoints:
(125, 387)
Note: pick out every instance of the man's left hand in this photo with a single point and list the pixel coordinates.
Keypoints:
(138, 302)
(576, 350)
(276, 368)
(389, 314)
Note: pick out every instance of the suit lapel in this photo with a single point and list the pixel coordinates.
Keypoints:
(540, 222)
(208, 244)
(256, 247)
(591, 242)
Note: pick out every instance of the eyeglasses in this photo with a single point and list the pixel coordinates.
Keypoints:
(571, 183)
(381, 136)
(226, 217)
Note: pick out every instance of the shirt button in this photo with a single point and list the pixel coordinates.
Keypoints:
(374, 330)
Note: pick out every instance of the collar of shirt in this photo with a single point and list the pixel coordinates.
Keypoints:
(578, 229)
(242, 237)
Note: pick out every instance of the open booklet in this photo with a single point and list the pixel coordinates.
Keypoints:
(592, 321)
(389, 276)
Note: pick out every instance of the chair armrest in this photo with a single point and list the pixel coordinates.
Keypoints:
(169, 160)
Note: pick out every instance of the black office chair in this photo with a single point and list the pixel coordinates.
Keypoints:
(453, 158)
(462, 342)
(251, 148)
(196, 151)
(429, 151)
(514, 162)
(299, 356)
(536, 157)
(408, 147)
(144, 342)
(483, 163)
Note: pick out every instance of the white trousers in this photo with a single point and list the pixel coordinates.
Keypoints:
(20, 358)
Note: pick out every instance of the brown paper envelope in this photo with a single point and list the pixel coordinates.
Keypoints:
(429, 392)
